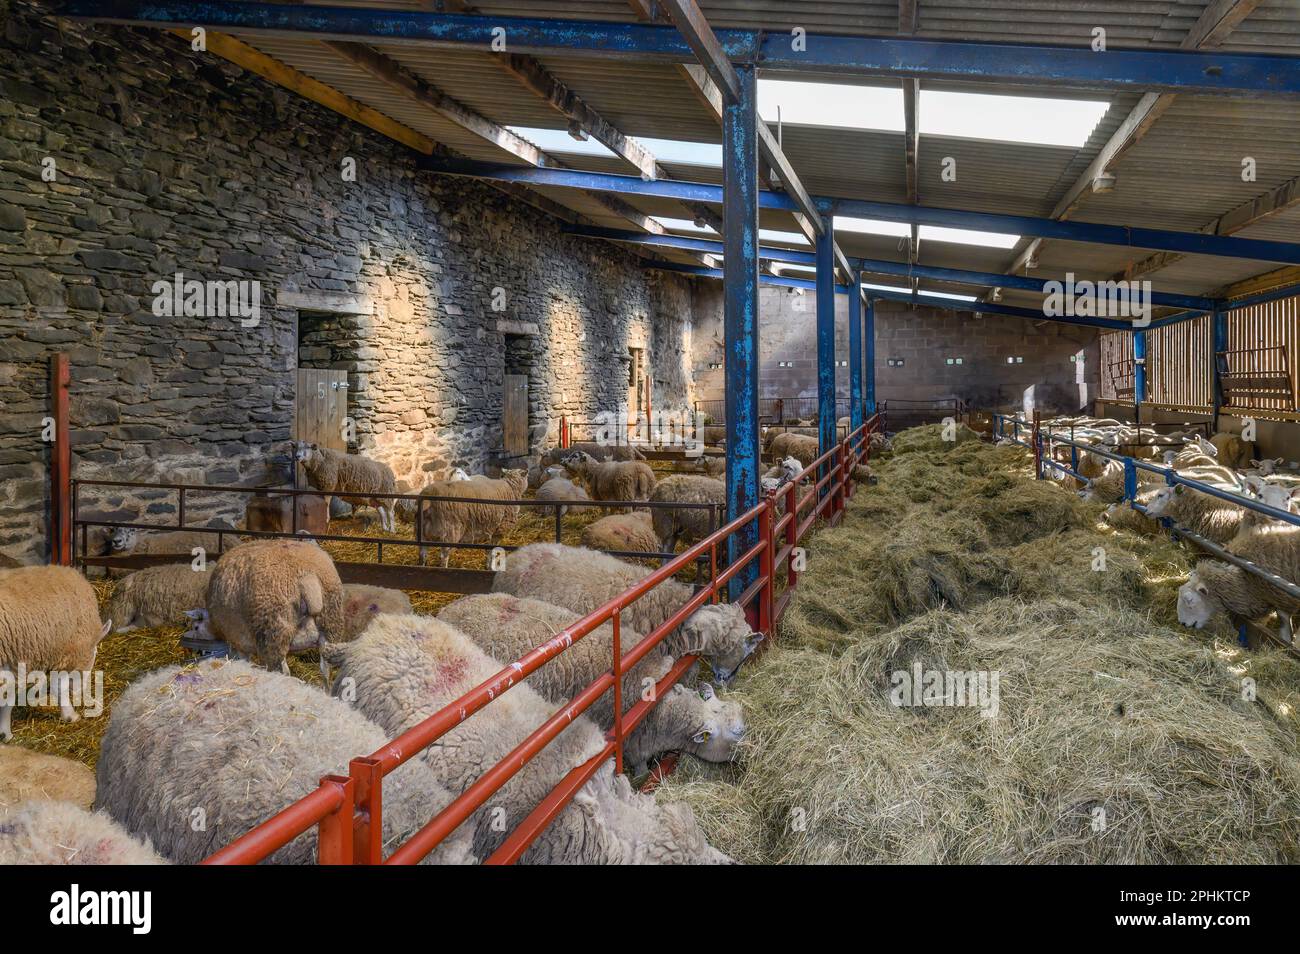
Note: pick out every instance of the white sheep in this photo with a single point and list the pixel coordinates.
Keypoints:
(712, 465)
(507, 627)
(623, 533)
(1214, 588)
(1211, 517)
(229, 745)
(559, 488)
(611, 480)
(272, 598)
(354, 479)
(362, 603)
(49, 622)
(687, 524)
(27, 775)
(458, 521)
(1276, 494)
(157, 596)
(405, 669)
(60, 833)
(129, 541)
(596, 450)
(583, 580)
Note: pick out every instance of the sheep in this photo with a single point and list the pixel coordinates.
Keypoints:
(689, 524)
(622, 532)
(583, 580)
(1278, 495)
(231, 744)
(272, 598)
(157, 596)
(507, 627)
(49, 622)
(1232, 451)
(1214, 588)
(26, 775)
(404, 669)
(182, 543)
(362, 603)
(1211, 517)
(275, 514)
(456, 521)
(44, 832)
(354, 479)
(594, 449)
(610, 480)
(804, 449)
(561, 488)
(712, 465)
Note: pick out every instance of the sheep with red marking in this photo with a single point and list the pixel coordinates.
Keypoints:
(43, 832)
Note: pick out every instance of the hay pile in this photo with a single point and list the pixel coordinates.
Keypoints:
(1115, 741)
(1119, 737)
(931, 437)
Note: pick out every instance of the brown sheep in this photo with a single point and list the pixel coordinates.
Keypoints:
(611, 480)
(350, 477)
(453, 521)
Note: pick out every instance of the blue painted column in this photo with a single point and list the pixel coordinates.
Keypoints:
(826, 340)
(740, 316)
(1139, 372)
(1218, 344)
(869, 361)
(855, 354)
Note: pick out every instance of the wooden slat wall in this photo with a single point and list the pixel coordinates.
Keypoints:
(1178, 356)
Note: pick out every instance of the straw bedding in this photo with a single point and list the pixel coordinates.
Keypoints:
(1119, 737)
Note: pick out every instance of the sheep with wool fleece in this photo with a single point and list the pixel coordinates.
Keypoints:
(404, 669)
(362, 603)
(453, 516)
(130, 541)
(1212, 517)
(583, 580)
(1215, 588)
(26, 775)
(239, 744)
(611, 480)
(687, 524)
(51, 832)
(509, 627)
(559, 488)
(354, 479)
(594, 449)
(805, 449)
(712, 465)
(1232, 451)
(49, 622)
(622, 532)
(158, 596)
(272, 598)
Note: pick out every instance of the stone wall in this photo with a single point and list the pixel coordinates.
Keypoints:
(923, 338)
(168, 161)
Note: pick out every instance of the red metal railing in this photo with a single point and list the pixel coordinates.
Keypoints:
(348, 810)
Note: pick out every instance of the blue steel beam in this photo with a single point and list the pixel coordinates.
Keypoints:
(874, 266)
(1186, 71)
(855, 361)
(1139, 369)
(1196, 243)
(740, 317)
(825, 343)
(869, 359)
(1218, 343)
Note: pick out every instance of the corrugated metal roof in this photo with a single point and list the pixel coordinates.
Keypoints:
(1183, 174)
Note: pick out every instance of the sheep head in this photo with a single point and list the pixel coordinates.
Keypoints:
(1275, 495)
(577, 462)
(716, 726)
(123, 539)
(1159, 504)
(1196, 605)
(304, 451)
(720, 633)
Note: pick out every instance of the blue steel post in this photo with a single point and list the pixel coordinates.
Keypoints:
(1139, 373)
(1219, 344)
(855, 354)
(740, 316)
(869, 360)
(825, 345)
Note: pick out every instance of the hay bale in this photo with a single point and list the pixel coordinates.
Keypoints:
(1115, 740)
(930, 437)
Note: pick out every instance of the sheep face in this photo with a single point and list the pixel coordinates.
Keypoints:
(303, 451)
(1275, 495)
(122, 539)
(720, 633)
(719, 725)
(1162, 499)
(458, 474)
(1195, 605)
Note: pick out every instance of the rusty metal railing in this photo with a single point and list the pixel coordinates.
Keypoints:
(347, 811)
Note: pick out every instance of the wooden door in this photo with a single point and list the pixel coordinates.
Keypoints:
(515, 408)
(321, 408)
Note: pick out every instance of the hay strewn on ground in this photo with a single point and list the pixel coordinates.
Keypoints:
(1120, 737)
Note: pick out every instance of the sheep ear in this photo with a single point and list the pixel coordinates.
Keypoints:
(108, 625)
(706, 691)
(1179, 488)
(699, 738)
(753, 641)
(1202, 588)
(196, 614)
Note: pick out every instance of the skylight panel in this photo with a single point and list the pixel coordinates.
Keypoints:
(938, 233)
(831, 104)
(1023, 119)
(872, 227)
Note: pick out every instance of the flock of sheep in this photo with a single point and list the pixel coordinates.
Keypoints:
(1225, 462)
